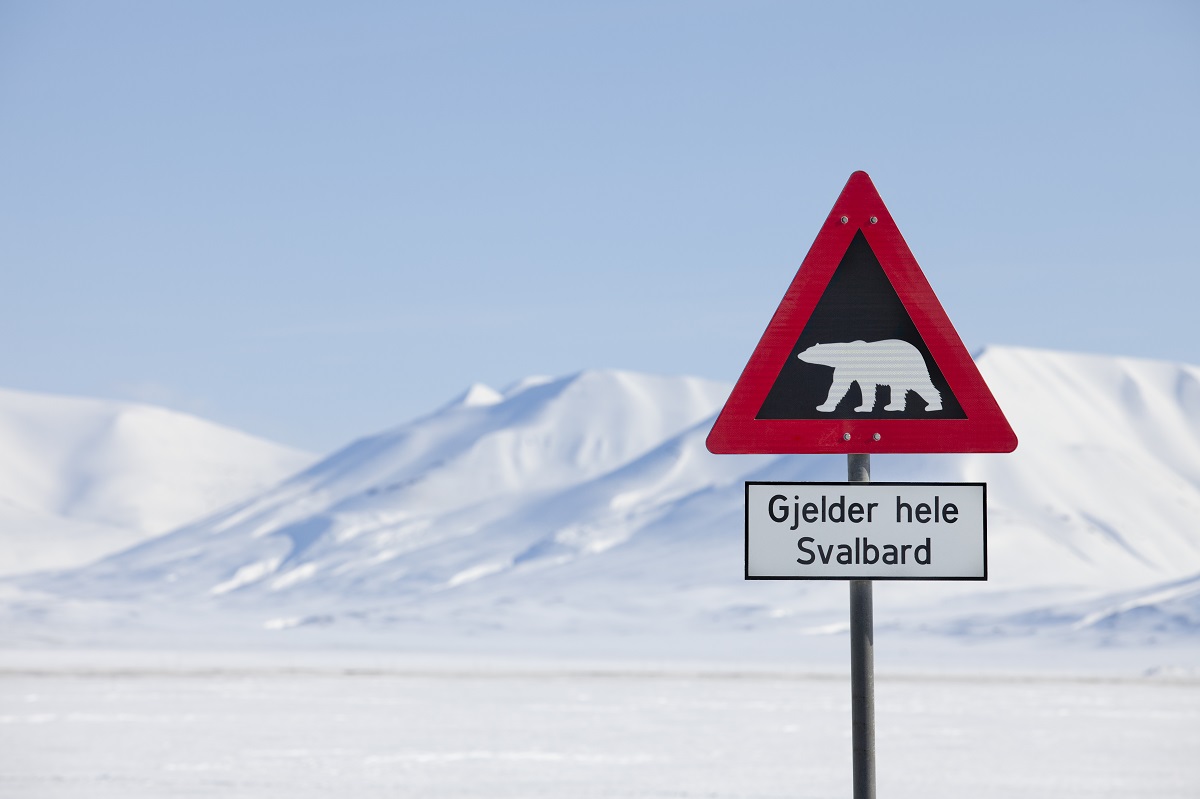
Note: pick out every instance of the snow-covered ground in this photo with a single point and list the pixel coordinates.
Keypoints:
(436, 728)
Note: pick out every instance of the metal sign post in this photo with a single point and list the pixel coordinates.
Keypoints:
(861, 531)
(862, 662)
(860, 358)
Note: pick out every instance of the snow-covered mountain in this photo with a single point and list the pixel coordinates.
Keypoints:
(82, 478)
(361, 516)
(590, 502)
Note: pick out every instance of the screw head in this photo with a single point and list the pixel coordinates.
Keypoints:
(845, 436)
(874, 219)
(845, 219)
(876, 436)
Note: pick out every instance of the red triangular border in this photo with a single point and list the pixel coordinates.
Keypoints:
(737, 431)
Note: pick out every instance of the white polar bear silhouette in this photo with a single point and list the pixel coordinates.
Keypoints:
(872, 364)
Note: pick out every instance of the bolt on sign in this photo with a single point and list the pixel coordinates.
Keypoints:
(860, 357)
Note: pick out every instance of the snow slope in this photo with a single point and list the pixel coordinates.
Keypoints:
(82, 478)
(589, 503)
(359, 517)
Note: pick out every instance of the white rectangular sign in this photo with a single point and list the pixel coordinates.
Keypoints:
(866, 531)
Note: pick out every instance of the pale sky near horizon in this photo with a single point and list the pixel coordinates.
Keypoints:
(313, 221)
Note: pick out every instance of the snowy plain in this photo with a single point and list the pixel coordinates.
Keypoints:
(479, 727)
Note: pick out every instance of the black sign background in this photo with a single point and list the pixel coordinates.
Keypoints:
(859, 304)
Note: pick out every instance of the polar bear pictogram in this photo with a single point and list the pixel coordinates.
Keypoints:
(893, 363)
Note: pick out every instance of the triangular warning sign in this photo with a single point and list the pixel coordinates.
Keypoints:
(860, 357)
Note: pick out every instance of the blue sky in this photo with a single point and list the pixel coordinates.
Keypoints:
(316, 220)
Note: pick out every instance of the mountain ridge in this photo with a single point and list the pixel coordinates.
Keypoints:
(591, 500)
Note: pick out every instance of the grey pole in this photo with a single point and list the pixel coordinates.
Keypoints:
(862, 662)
